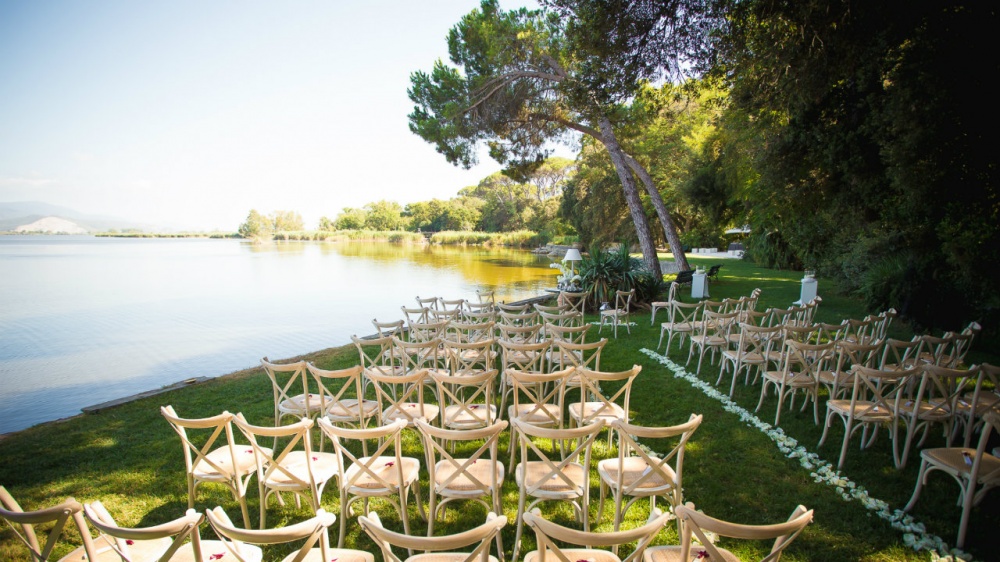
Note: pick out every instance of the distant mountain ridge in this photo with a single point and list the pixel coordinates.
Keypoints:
(14, 214)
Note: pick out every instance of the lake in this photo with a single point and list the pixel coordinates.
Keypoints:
(84, 320)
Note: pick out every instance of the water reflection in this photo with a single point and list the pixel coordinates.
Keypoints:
(91, 319)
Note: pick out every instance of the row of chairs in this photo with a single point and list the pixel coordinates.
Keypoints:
(167, 541)
(178, 540)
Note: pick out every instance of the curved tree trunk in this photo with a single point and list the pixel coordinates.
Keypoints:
(618, 158)
(669, 229)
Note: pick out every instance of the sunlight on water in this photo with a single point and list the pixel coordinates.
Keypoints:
(84, 320)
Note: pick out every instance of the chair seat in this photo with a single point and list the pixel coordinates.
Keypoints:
(324, 467)
(554, 484)
(541, 414)
(594, 410)
(576, 555)
(412, 410)
(338, 554)
(349, 410)
(673, 554)
(297, 405)
(480, 470)
(475, 415)
(953, 458)
(677, 326)
(793, 380)
(747, 358)
(987, 401)
(709, 341)
(385, 468)
(245, 464)
(831, 377)
(613, 313)
(216, 551)
(636, 468)
(925, 410)
(862, 412)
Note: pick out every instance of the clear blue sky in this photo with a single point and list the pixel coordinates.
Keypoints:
(188, 114)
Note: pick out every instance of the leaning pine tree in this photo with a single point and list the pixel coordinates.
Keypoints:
(516, 86)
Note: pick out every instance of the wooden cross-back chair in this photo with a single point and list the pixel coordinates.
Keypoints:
(799, 372)
(936, 401)
(466, 400)
(161, 543)
(385, 473)
(549, 535)
(64, 516)
(402, 397)
(437, 548)
(752, 350)
(211, 455)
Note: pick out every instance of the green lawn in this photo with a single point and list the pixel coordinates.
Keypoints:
(130, 459)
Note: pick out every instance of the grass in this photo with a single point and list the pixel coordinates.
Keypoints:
(516, 239)
(130, 459)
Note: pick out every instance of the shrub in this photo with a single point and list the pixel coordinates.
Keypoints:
(605, 272)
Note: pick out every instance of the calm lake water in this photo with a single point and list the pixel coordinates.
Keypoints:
(84, 320)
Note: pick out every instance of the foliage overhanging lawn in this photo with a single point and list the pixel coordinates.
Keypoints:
(823, 472)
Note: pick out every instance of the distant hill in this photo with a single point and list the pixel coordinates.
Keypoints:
(52, 225)
(20, 215)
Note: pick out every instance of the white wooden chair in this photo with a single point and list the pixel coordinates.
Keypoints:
(173, 541)
(620, 314)
(242, 544)
(975, 470)
(465, 400)
(637, 474)
(292, 396)
(473, 475)
(546, 477)
(799, 372)
(695, 524)
(538, 400)
(656, 305)
(383, 474)
(752, 348)
(936, 401)
(547, 533)
(301, 471)
(600, 394)
(212, 455)
(436, 548)
(682, 319)
(342, 395)
(402, 397)
(62, 517)
(712, 332)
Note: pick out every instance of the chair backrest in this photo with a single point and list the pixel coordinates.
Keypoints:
(479, 315)
(572, 334)
(960, 344)
(596, 397)
(569, 318)
(581, 355)
(751, 303)
(469, 332)
(518, 318)
(557, 309)
(430, 303)
(270, 465)
(312, 531)
(466, 400)
(418, 355)
(445, 316)
(666, 468)
(388, 328)
(575, 300)
(535, 393)
(899, 354)
(59, 515)
(460, 474)
(880, 329)
(196, 451)
(942, 388)
(519, 334)
(480, 536)
(427, 331)
(778, 316)
(695, 524)
(935, 348)
(470, 357)
(992, 423)
(718, 324)
(340, 391)
(856, 331)
(757, 341)
(554, 466)
(877, 394)
(850, 354)
(683, 313)
(400, 396)
(531, 357)
(372, 471)
(623, 299)
(486, 297)
(548, 533)
(807, 359)
(512, 308)
(419, 315)
(377, 353)
(290, 385)
(451, 304)
(123, 540)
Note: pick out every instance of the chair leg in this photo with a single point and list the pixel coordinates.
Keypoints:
(520, 525)
(921, 477)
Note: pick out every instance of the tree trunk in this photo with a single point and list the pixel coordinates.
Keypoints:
(631, 197)
(669, 229)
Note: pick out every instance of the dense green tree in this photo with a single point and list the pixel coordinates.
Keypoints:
(518, 84)
(327, 224)
(384, 215)
(350, 218)
(257, 226)
(287, 221)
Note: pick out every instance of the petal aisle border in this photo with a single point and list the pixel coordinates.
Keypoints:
(915, 533)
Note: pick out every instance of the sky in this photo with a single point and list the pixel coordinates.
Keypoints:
(186, 115)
